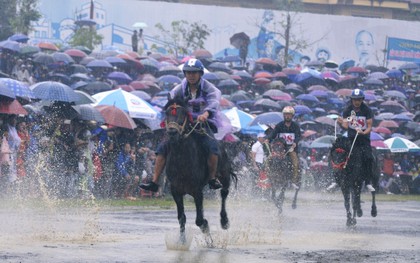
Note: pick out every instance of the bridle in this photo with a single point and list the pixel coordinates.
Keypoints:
(174, 124)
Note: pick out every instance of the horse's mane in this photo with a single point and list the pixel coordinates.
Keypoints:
(177, 100)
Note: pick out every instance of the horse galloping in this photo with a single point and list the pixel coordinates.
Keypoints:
(280, 172)
(186, 165)
(348, 172)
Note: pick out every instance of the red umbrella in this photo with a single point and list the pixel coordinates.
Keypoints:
(388, 124)
(12, 107)
(263, 74)
(356, 70)
(138, 85)
(262, 81)
(75, 53)
(202, 53)
(226, 104)
(378, 144)
(127, 88)
(317, 87)
(48, 46)
(343, 92)
(383, 130)
(116, 117)
(290, 71)
(266, 61)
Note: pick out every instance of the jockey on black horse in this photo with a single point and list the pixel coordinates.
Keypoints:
(203, 100)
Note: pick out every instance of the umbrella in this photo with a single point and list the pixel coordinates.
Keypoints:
(142, 95)
(307, 98)
(243, 74)
(276, 94)
(317, 87)
(377, 75)
(266, 61)
(409, 66)
(84, 98)
(28, 50)
(240, 95)
(395, 93)
(392, 106)
(374, 82)
(89, 113)
(302, 109)
(395, 73)
(383, 130)
(238, 119)
(168, 80)
(254, 129)
(378, 144)
(398, 144)
(130, 103)
(263, 74)
(202, 53)
(325, 141)
(219, 66)
(10, 45)
(262, 81)
(60, 57)
(267, 118)
(325, 120)
(99, 63)
(140, 25)
(384, 116)
(54, 91)
(319, 93)
(20, 89)
(314, 63)
(96, 87)
(388, 124)
(226, 104)
(44, 58)
(120, 77)
(343, 92)
(307, 79)
(116, 61)
(21, 38)
(228, 84)
(239, 40)
(376, 137)
(268, 104)
(308, 133)
(125, 87)
(48, 46)
(210, 76)
(12, 107)
(402, 117)
(116, 117)
(169, 70)
(75, 53)
(358, 70)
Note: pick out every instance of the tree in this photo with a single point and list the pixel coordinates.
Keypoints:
(184, 37)
(26, 13)
(86, 36)
(7, 7)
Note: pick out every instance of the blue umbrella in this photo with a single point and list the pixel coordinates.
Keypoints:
(395, 73)
(306, 79)
(267, 118)
(20, 89)
(211, 76)
(54, 91)
(302, 109)
(19, 38)
(120, 77)
(402, 117)
(116, 61)
(99, 63)
(142, 95)
(398, 144)
(238, 119)
(64, 58)
(10, 45)
(6, 91)
(168, 80)
(319, 93)
(307, 97)
(255, 129)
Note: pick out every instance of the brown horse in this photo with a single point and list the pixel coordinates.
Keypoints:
(186, 165)
(280, 171)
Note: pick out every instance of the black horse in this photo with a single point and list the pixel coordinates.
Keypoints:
(280, 172)
(348, 173)
(186, 165)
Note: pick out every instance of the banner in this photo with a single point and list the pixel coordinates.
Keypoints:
(403, 50)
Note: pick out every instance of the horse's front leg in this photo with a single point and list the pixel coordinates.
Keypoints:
(200, 221)
(179, 200)
(294, 203)
(224, 220)
(280, 199)
(346, 195)
(374, 211)
(357, 207)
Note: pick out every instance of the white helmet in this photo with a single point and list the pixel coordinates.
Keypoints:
(289, 109)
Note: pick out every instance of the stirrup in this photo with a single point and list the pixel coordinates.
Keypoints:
(154, 187)
(215, 184)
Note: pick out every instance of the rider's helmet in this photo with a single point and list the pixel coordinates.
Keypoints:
(357, 94)
(289, 109)
(193, 64)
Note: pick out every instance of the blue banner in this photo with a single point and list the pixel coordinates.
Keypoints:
(403, 50)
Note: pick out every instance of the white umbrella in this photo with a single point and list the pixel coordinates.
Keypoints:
(140, 25)
(133, 105)
(238, 119)
(398, 144)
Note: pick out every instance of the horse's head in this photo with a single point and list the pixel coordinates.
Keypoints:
(278, 148)
(178, 117)
(340, 152)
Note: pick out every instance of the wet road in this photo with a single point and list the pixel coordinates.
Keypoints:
(314, 232)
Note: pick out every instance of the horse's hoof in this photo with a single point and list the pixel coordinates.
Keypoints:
(359, 212)
(351, 222)
(224, 223)
(373, 212)
(205, 227)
